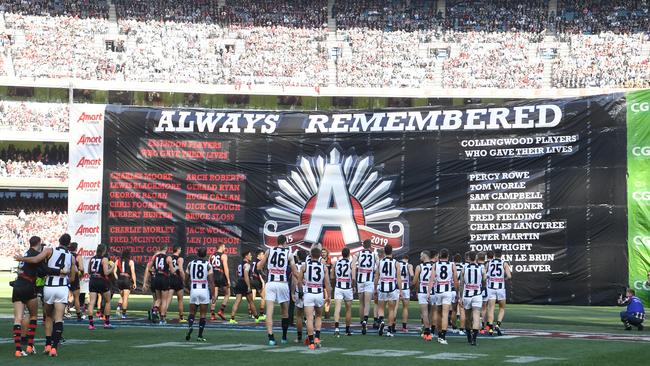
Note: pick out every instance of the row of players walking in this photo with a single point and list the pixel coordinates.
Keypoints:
(279, 276)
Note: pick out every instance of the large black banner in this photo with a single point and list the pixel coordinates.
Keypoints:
(543, 180)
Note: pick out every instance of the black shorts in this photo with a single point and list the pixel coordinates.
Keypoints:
(98, 285)
(241, 288)
(124, 283)
(176, 283)
(74, 285)
(220, 279)
(160, 283)
(23, 292)
(256, 284)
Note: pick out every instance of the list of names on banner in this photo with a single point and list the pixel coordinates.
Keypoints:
(506, 211)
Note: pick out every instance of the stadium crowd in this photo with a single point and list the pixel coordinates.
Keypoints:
(35, 163)
(16, 229)
(33, 117)
(284, 43)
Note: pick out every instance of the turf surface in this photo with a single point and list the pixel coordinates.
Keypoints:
(135, 342)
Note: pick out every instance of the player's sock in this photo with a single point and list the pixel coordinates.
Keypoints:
(433, 330)
(23, 340)
(365, 319)
(107, 319)
(474, 334)
(31, 331)
(124, 311)
(17, 332)
(48, 341)
(222, 308)
(442, 334)
(336, 324)
(190, 321)
(57, 332)
(299, 335)
(119, 305)
(78, 315)
(427, 331)
(379, 320)
(404, 325)
(91, 320)
(285, 327)
(498, 324)
(392, 328)
(347, 329)
(311, 339)
(271, 337)
(468, 333)
(201, 327)
(317, 334)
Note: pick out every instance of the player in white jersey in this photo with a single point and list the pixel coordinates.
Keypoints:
(344, 275)
(498, 271)
(315, 278)
(480, 260)
(421, 280)
(446, 280)
(472, 279)
(456, 311)
(55, 293)
(278, 261)
(297, 293)
(388, 283)
(199, 279)
(365, 262)
(406, 273)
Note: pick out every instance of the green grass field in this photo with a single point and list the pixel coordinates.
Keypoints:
(138, 343)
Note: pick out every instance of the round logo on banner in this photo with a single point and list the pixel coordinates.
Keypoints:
(337, 200)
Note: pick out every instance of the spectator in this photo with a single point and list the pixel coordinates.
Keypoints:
(33, 117)
(15, 232)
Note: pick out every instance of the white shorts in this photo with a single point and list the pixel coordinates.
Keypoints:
(454, 298)
(406, 295)
(422, 299)
(315, 300)
(277, 292)
(366, 287)
(300, 304)
(200, 296)
(55, 294)
(343, 294)
(388, 296)
(444, 298)
(472, 302)
(496, 294)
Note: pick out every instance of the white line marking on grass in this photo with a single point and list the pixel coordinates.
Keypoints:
(531, 359)
(383, 353)
(304, 350)
(167, 344)
(231, 347)
(454, 356)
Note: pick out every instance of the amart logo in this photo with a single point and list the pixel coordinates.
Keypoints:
(640, 107)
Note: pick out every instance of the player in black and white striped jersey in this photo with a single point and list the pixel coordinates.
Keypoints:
(344, 275)
(315, 278)
(498, 271)
(445, 282)
(456, 310)
(388, 283)
(278, 261)
(421, 280)
(55, 294)
(472, 279)
(406, 273)
(365, 262)
(480, 260)
(199, 279)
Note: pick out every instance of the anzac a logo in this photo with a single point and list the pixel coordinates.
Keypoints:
(336, 200)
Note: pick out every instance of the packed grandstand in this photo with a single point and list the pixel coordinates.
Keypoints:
(311, 43)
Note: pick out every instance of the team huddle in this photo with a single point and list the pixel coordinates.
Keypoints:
(447, 289)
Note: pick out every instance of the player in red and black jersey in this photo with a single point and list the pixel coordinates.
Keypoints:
(161, 264)
(176, 280)
(99, 270)
(75, 285)
(24, 295)
(219, 263)
(126, 280)
(257, 283)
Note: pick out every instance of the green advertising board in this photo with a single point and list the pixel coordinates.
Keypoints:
(638, 191)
